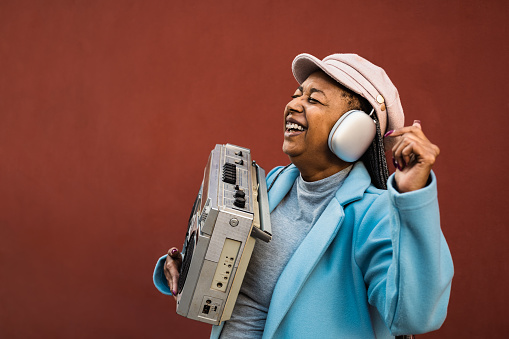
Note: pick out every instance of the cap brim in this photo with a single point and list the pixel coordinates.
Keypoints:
(305, 64)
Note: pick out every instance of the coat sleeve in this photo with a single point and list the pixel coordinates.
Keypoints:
(405, 260)
(159, 278)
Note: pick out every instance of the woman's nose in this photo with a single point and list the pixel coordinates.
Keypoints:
(295, 105)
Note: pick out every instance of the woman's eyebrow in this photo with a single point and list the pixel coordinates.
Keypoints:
(313, 90)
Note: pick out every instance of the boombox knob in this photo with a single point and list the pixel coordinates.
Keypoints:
(240, 202)
(240, 194)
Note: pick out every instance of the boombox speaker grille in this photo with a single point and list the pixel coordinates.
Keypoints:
(187, 262)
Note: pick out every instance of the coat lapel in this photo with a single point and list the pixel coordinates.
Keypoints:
(301, 264)
(282, 185)
(313, 247)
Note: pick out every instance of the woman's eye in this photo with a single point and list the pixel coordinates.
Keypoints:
(312, 100)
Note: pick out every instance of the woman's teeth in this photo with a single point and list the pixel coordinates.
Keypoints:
(290, 126)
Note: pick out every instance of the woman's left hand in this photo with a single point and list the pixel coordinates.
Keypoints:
(413, 156)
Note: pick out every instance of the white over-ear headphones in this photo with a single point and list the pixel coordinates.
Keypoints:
(351, 135)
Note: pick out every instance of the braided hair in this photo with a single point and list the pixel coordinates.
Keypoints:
(375, 161)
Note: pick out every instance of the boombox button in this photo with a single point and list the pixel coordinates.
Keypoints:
(234, 222)
(240, 202)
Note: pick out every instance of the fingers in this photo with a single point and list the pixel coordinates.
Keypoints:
(174, 253)
(412, 147)
(405, 151)
(407, 155)
(415, 128)
(172, 268)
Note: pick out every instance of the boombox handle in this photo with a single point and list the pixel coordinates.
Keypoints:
(263, 233)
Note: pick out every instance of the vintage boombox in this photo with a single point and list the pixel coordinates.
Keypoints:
(230, 211)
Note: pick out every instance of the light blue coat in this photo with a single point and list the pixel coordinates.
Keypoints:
(374, 265)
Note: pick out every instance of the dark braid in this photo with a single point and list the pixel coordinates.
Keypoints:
(374, 160)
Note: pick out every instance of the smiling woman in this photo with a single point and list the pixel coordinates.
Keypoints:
(347, 259)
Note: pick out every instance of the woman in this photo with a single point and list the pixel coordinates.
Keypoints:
(354, 254)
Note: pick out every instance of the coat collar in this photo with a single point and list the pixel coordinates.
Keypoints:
(285, 178)
(353, 188)
(314, 244)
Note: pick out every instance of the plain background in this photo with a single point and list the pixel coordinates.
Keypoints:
(109, 109)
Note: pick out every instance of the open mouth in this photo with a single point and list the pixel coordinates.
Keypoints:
(292, 127)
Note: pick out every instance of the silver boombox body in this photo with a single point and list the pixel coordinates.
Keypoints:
(230, 211)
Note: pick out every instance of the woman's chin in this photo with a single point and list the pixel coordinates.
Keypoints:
(291, 150)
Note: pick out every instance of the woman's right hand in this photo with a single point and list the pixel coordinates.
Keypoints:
(172, 269)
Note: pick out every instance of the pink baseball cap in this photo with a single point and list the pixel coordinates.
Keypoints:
(363, 78)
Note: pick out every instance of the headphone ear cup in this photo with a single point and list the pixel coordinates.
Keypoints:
(351, 135)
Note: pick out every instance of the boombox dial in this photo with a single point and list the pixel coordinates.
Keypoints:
(240, 194)
(240, 202)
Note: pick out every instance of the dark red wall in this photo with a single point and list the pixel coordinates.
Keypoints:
(108, 110)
